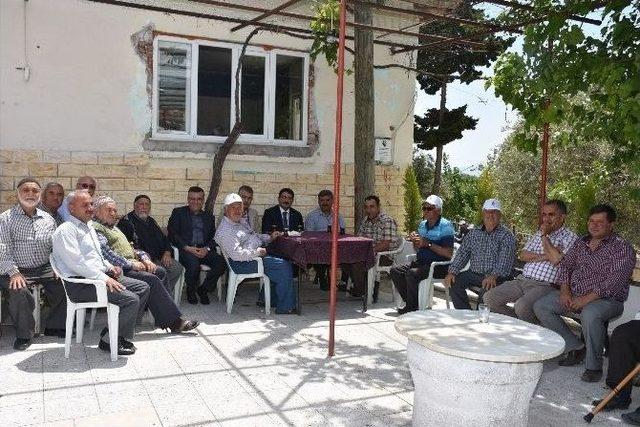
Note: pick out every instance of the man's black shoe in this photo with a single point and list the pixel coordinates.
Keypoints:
(204, 295)
(376, 289)
(21, 344)
(403, 310)
(591, 376)
(615, 403)
(632, 418)
(123, 342)
(574, 357)
(51, 332)
(342, 287)
(122, 351)
(191, 297)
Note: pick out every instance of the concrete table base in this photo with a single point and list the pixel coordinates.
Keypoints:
(452, 391)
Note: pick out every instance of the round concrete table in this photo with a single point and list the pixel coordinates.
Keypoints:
(468, 373)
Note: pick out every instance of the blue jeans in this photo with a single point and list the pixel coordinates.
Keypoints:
(280, 272)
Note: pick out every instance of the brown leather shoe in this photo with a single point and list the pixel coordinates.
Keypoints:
(574, 357)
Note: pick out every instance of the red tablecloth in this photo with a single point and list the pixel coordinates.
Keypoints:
(314, 247)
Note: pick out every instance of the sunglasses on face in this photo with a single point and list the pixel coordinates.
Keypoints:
(428, 208)
(85, 185)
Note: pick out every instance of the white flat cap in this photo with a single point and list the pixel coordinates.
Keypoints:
(434, 200)
(232, 198)
(492, 205)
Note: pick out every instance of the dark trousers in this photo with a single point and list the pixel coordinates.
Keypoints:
(21, 303)
(624, 354)
(358, 274)
(407, 277)
(161, 305)
(192, 264)
(465, 280)
(131, 301)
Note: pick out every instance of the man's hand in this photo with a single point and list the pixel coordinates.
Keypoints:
(449, 280)
(138, 266)
(150, 266)
(566, 300)
(201, 252)
(114, 286)
(17, 281)
(261, 252)
(275, 234)
(489, 282)
(115, 271)
(578, 303)
(166, 259)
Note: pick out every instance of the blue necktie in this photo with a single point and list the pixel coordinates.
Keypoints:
(285, 221)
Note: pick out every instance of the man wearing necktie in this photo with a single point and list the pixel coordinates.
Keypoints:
(282, 217)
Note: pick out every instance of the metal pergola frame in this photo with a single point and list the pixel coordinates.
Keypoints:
(433, 41)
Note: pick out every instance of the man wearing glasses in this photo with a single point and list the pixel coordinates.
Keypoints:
(433, 242)
(84, 183)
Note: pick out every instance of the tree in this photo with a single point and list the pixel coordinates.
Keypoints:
(412, 201)
(592, 82)
(458, 60)
(423, 169)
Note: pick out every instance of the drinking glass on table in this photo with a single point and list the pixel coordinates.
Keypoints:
(483, 313)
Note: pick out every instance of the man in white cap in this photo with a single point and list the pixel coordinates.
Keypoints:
(242, 245)
(490, 251)
(433, 242)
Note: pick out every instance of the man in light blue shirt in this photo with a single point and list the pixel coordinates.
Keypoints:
(320, 219)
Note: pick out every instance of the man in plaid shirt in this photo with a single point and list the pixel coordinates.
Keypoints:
(542, 254)
(490, 252)
(594, 281)
(25, 246)
(383, 229)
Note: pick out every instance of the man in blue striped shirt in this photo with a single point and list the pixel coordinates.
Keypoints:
(490, 252)
(433, 242)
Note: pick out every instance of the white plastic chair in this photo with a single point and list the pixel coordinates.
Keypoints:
(79, 310)
(177, 290)
(235, 279)
(383, 268)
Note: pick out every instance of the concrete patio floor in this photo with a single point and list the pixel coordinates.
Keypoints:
(247, 369)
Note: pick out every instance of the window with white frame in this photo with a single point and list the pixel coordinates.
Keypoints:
(194, 90)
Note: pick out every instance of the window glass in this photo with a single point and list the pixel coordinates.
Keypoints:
(252, 96)
(214, 91)
(174, 85)
(289, 97)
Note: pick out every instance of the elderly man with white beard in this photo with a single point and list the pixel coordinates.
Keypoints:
(25, 246)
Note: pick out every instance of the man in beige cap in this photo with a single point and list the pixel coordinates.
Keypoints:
(491, 252)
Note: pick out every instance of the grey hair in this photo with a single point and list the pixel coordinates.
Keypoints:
(100, 201)
(75, 193)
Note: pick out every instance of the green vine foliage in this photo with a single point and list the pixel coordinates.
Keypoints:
(591, 80)
(325, 27)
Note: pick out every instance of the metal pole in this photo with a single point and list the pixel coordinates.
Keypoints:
(335, 228)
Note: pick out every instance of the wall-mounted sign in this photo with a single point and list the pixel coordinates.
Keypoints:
(384, 151)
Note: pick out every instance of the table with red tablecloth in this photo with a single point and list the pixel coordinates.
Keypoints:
(314, 247)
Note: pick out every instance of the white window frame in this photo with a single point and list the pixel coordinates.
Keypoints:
(267, 138)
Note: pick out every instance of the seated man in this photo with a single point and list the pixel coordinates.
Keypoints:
(138, 265)
(52, 197)
(282, 217)
(249, 215)
(25, 246)
(434, 242)
(77, 253)
(84, 183)
(380, 227)
(623, 355)
(192, 231)
(491, 251)
(242, 245)
(146, 235)
(320, 219)
(542, 254)
(594, 281)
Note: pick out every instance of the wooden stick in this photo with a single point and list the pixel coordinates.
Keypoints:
(611, 395)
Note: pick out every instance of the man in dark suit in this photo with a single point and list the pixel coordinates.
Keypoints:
(282, 217)
(192, 231)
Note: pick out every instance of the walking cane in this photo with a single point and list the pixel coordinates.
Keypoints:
(611, 395)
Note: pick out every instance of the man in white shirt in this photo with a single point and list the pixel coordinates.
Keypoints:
(84, 183)
(77, 252)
